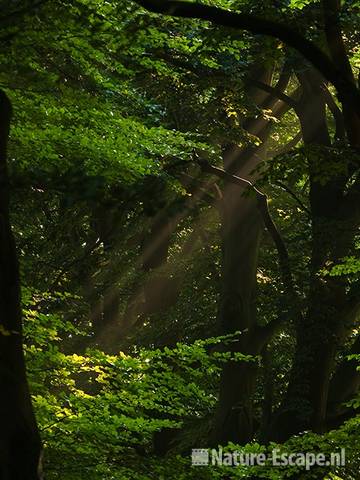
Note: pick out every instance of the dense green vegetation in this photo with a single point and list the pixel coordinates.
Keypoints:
(181, 182)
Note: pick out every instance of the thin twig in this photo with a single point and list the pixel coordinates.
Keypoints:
(295, 197)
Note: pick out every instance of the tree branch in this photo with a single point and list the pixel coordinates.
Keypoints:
(287, 147)
(263, 207)
(275, 92)
(262, 334)
(336, 113)
(280, 86)
(348, 92)
(295, 197)
(331, 9)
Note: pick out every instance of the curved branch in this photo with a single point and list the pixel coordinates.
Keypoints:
(262, 203)
(280, 86)
(295, 197)
(262, 333)
(334, 37)
(348, 92)
(336, 113)
(275, 92)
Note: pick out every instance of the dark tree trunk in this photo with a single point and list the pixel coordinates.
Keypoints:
(19, 438)
(241, 230)
(241, 235)
(322, 327)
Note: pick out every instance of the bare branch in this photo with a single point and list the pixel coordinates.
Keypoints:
(295, 197)
(336, 112)
(263, 207)
(282, 83)
(262, 334)
(275, 92)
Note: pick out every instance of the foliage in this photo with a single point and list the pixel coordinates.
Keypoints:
(100, 412)
(110, 104)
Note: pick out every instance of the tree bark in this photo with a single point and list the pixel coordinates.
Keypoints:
(19, 438)
(241, 230)
(322, 327)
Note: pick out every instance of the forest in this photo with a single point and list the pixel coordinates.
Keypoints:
(179, 239)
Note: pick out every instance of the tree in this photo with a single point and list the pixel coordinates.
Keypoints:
(328, 200)
(184, 181)
(20, 441)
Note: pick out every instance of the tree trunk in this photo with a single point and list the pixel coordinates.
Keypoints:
(241, 230)
(241, 233)
(318, 336)
(19, 438)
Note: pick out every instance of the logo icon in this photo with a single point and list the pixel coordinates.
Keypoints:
(200, 456)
